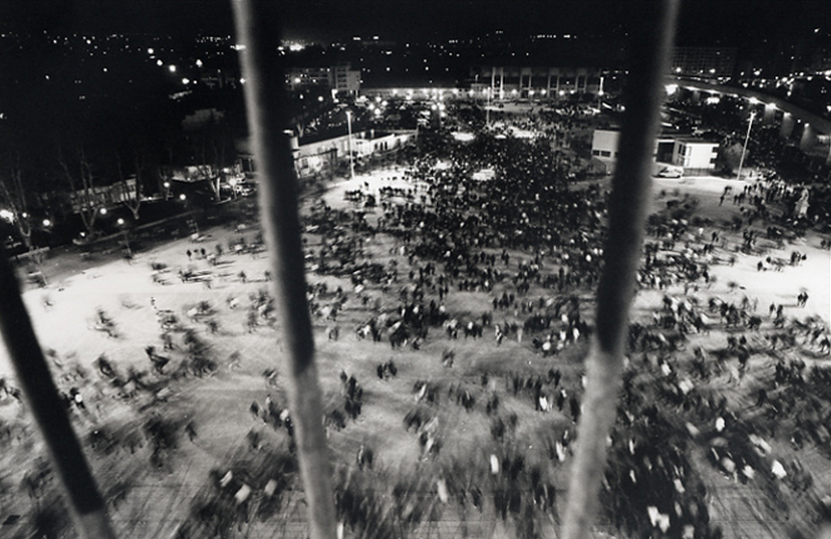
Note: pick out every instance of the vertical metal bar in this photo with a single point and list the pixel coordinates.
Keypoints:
(628, 204)
(258, 30)
(86, 506)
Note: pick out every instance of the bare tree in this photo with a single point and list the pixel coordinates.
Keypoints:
(209, 144)
(133, 203)
(83, 196)
(14, 197)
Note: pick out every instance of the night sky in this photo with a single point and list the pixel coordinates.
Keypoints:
(703, 22)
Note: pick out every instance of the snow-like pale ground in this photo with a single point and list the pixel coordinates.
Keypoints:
(110, 283)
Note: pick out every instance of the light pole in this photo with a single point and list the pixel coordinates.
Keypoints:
(488, 106)
(123, 227)
(194, 226)
(744, 148)
(349, 142)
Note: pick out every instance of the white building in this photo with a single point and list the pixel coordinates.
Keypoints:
(315, 157)
(695, 155)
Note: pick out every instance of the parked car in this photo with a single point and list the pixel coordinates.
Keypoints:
(670, 172)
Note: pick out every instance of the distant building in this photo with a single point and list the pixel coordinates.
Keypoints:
(694, 154)
(191, 173)
(507, 82)
(103, 196)
(342, 78)
(339, 78)
(308, 77)
(704, 62)
(322, 156)
(219, 78)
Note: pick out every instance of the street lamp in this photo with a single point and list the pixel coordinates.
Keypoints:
(126, 237)
(349, 144)
(746, 139)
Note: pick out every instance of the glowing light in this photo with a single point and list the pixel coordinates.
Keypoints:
(47, 222)
(182, 196)
(171, 68)
(671, 88)
(7, 215)
(103, 211)
(159, 63)
(185, 80)
(151, 51)
(120, 221)
(753, 101)
(199, 63)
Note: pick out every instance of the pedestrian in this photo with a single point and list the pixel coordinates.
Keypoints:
(189, 255)
(190, 430)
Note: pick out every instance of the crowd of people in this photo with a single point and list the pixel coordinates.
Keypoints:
(703, 369)
(535, 247)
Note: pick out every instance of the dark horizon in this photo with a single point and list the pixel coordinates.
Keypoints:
(702, 22)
